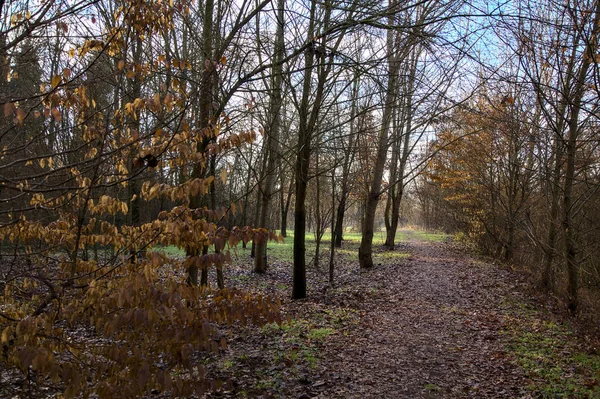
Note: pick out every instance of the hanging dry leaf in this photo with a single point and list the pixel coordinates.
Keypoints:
(9, 109)
(55, 81)
(20, 116)
(56, 114)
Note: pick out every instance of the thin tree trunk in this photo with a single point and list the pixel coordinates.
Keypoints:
(548, 277)
(204, 116)
(272, 137)
(286, 208)
(333, 232)
(390, 205)
(307, 124)
(366, 246)
(348, 158)
(301, 170)
(406, 130)
(571, 152)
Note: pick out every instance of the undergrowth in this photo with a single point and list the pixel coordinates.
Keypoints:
(548, 353)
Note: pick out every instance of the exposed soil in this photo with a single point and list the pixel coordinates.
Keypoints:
(426, 326)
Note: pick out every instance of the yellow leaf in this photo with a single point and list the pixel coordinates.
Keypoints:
(55, 81)
(138, 103)
(120, 65)
(5, 335)
(223, 60)
(224, 176)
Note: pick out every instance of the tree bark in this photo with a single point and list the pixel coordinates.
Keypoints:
(571, 152)
(272, 137)
(285, 206)
(332, 246)
(348, 158)
(301, 170)
(204, 118)
(366, 246)
(405, 128)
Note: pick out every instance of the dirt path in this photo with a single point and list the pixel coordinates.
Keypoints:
(432, 332)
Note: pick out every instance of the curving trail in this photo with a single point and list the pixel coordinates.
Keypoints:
(433, 331)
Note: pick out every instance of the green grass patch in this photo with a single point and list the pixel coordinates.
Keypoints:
(546, 351)
(171, 251)
(319, 334)
(389, 257)
(302, 336)
(285, 251)
(431, 237)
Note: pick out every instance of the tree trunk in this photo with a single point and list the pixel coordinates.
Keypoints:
(332, 246)
(272, 137)
(318, 215)
(285, 207)
(299, 277)
(348, 158)
(390, 206)
(571, 152)
(405, 128)
(205, 106)
(307, 124)
(548, 275)
(134, 184)
(366, 246)
(302, 166)
(339, 219)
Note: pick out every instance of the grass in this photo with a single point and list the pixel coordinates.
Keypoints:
(284, 251)
(302, 336)
(545, 351)
(431, 237)
(319, 334)
(171, 251)
(389, 257)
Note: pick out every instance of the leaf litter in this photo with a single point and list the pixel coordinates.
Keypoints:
(429, 325)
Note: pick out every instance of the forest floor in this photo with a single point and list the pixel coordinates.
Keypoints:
(428, 321)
